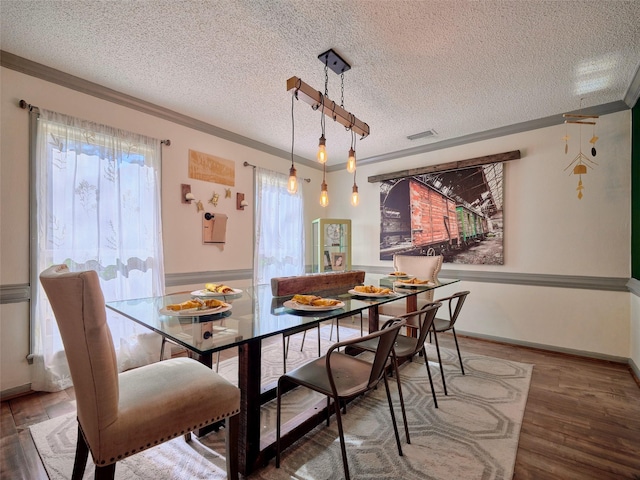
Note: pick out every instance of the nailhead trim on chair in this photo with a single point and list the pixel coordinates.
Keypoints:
(157, 442)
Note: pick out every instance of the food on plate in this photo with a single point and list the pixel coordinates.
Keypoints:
(314, 301)
(414, 281)
(184, 305)
(196, 303)
(371, 289)
(213, 303)
(305, 299)
(325, 302)
(398, 274)
(218, 288)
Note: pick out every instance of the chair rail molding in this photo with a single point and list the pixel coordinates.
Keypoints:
(616, 284)
(15, 293)
(22, 292)
(191, 278)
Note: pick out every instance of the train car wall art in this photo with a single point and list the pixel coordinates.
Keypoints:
(456, 214)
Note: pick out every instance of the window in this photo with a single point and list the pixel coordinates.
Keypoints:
(97, 207)
(279, 248)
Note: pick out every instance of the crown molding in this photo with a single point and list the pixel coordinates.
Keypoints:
(550, 121)
(22, 65)
(631, 97)
(58, 77)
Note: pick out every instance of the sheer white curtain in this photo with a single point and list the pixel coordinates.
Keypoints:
(279, 247)
(97, 208)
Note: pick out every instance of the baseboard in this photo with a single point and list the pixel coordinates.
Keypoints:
(549, 348)
(635, 371)
(14, 392)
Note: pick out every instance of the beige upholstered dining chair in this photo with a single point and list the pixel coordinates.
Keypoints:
(420, 266)
(122, 414)
(342, 377)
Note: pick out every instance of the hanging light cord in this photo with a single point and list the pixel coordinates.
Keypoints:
(293, 126)
(353, 134)
(326, 94)
(353, 146)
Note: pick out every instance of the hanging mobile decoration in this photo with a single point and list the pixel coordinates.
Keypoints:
(566, 143)
(580, 161)
(593, 141)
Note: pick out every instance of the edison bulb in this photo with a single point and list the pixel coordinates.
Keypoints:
(322, 150)
(351, 163)
(355, 198)
(324, 195)
(292, 183)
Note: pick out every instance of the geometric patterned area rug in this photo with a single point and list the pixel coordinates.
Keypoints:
(472, 435)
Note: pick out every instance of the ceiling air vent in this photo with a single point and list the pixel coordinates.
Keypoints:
(427, 134)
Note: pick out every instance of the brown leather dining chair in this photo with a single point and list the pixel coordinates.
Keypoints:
(122, 414)
(342, 377)
(440, 325)
(408, 346)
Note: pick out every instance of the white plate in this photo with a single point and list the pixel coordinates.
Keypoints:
(310, 308)
(363, 294)
(194, 312)
(392, 274)
(207, 293)
(401, 284)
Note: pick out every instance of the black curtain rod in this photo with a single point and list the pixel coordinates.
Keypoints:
(247, 164)
(24, 105)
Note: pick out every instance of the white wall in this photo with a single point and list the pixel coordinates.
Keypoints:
(184, 251)
(547, 229)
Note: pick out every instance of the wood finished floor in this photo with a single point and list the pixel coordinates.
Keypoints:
(582, 419)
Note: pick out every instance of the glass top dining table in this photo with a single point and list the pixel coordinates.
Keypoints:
(252, 314)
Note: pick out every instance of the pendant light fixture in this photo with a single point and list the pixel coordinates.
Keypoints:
(292, 183)
(322, 149)
(351, 162)
(355, 198)
(324, 195)
(317, 99)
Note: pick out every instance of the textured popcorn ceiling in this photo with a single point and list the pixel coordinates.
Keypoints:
(458, 67)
